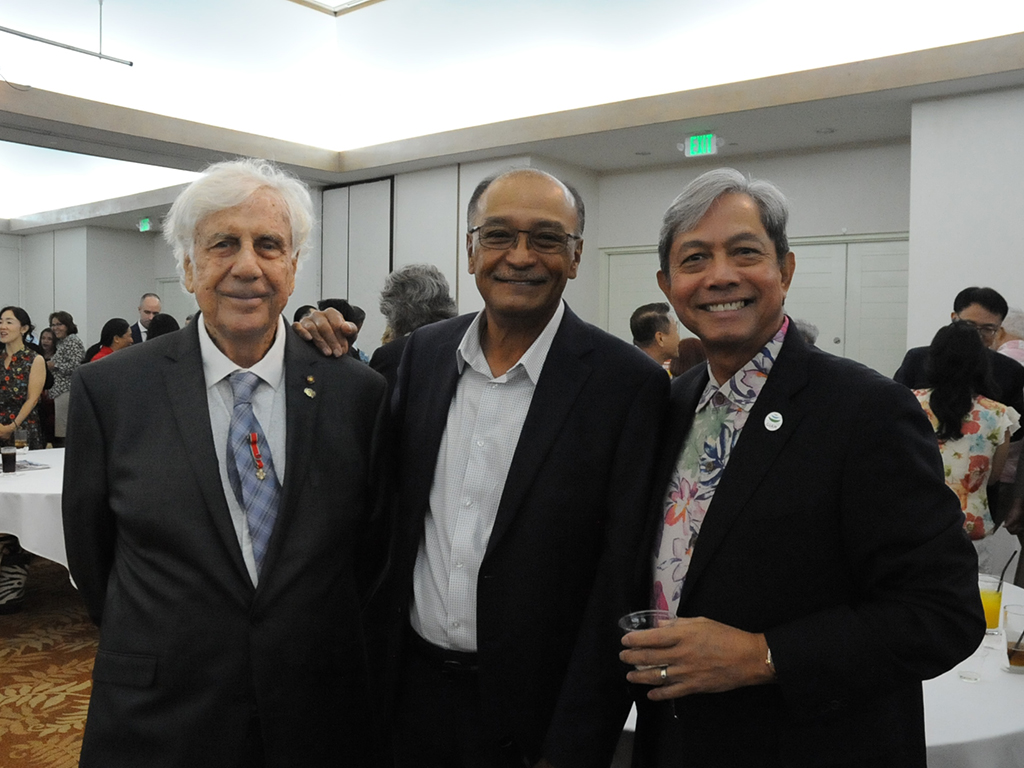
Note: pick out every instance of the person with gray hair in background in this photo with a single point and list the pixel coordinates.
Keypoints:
(413, 296)
(218, 512)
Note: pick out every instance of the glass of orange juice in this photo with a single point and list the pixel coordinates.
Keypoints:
(991, 600)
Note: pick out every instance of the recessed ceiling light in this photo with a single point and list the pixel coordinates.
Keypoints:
(825, 131)
(642, 154)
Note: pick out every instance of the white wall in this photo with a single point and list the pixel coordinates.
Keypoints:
(10, 268)
(119, 271)
(967, 204)
(845, 191)
(70, 277)
(37, 277)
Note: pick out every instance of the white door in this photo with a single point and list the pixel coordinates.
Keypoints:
(854, 292)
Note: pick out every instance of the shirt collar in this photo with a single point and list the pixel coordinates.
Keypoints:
(746, 384)
(470, 352)
(217, 365)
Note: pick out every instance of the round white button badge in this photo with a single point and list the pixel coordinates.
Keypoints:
(773, 421)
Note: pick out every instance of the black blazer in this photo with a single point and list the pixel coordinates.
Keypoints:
(837, 537)
(136, 333)
(189, 650)
(574, 498)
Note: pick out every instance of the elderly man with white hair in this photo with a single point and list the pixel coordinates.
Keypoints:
(224, 569)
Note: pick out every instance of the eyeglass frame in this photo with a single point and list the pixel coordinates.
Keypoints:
(988, 331)
(529, 240)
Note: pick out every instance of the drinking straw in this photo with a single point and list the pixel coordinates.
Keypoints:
(1000, 587)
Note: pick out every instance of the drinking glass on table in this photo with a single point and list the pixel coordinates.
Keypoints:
(21, 440)
(991, 600)
(1013, 627)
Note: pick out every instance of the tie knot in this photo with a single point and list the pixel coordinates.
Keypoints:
(243, 384)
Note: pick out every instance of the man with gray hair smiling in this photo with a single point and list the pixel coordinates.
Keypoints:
(802, 540)
(224, 569)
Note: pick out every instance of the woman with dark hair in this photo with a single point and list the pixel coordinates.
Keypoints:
(973, 431)
(23, 380)
(116, 334)
(48, 345)
(21, 384)
(162, 323)
(65, 360)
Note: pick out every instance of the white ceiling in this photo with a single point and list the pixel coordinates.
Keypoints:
(403, 68)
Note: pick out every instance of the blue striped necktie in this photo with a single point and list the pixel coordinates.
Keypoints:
(250, 467)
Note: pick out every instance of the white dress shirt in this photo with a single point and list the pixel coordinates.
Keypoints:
(268, 404)
(480, 438)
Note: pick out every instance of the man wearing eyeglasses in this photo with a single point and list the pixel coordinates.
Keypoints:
(525, 440)
(985, 309)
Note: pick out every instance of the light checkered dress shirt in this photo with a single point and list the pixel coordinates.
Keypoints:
(484, 421)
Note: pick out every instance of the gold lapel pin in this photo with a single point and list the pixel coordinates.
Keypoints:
(310, 380)
(309, 392)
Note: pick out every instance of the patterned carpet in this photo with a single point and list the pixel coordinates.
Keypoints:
(46, 657)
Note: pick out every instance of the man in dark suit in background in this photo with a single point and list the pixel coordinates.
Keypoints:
(149, 307)
(224, 568)
(985, 309)
(802, 534)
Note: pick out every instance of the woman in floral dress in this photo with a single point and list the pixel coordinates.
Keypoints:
(22, 379)
(973, 431)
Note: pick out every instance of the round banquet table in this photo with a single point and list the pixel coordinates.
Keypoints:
(977, 724)
(30, 505)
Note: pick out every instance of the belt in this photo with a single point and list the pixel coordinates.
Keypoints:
(442, 658)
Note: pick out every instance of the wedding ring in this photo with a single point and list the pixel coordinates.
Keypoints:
(664, 675)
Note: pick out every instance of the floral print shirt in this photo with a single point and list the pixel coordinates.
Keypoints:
(721, 413)
(968, 459)
(65, 360)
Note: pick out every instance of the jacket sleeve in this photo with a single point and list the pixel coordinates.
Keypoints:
(916, 610)
(595, 698)
(89, 527)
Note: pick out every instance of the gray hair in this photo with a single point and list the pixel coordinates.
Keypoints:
(807, 329)
(230, 183)
(1013, 323)
(700, 194)
(474, 201)
(413, 296)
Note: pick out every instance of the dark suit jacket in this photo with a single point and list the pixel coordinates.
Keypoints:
(136, 333)
(385, 359)
(1007, 378)
(837, 537)
(190, 652)
(575, 494)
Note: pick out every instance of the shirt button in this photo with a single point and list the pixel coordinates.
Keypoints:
(709, 467)
(718, 399)
(480, 443)
(459, 565)
(455, 624)
(467, 502)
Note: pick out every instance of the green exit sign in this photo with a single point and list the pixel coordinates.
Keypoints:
(700, 145)
(144, 225)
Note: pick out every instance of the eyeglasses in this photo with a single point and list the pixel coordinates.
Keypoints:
(495, 237)
(986, 331)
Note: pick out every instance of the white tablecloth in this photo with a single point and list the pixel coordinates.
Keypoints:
(977, 725)
(30, 505)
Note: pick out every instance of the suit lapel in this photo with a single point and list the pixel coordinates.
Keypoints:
(186, 390)
(562, 378)
(301, 410)
(754, 454)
